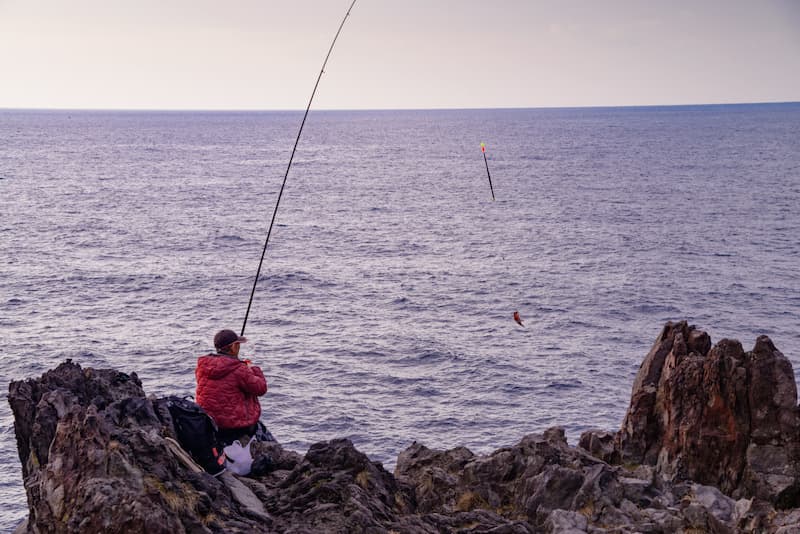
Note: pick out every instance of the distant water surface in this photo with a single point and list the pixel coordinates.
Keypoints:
(384, 310)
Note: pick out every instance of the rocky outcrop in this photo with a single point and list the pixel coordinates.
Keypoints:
(95, 459)
(708, 445)
(716, 415)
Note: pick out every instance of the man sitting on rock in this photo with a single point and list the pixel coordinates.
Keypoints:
(228, 388)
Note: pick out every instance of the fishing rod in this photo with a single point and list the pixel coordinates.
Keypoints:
(483, 150)
(289, 166)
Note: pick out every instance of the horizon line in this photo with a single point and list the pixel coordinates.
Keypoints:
(265, 110)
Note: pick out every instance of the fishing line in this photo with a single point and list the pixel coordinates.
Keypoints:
(289, 166)
(515, 315)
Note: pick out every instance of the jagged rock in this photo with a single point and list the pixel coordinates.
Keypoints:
(567, 522)
(94, 460)
(715, 415)
(788, 523)
(540, 480)
(707, 426)
(601, 444)
(337, 488)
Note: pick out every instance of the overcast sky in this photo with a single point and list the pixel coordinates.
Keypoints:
(263, 54)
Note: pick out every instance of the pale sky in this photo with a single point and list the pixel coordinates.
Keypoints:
(393, 54)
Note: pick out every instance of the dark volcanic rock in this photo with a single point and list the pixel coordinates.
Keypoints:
(94, 460)
(716, 415)
(601, 444)
(98, 456)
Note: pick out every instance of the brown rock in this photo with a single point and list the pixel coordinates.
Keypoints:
(642, 428)
(716, 416)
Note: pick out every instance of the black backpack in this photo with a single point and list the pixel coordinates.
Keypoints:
(197, 434)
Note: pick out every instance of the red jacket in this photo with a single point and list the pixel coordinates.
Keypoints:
(228, 390)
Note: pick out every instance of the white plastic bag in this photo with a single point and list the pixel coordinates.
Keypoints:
(239, 458)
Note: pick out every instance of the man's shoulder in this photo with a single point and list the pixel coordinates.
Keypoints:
(217, 362)
(206, 357)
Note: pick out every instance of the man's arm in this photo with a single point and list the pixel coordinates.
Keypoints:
(252, 380)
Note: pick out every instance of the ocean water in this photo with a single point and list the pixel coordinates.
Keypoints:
(384, 309)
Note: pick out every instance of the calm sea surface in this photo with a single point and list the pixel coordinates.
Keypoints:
(384, 311)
